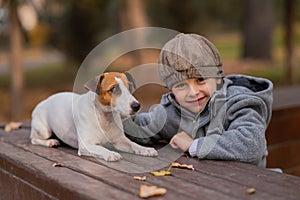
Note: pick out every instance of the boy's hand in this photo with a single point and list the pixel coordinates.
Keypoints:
(182, 141)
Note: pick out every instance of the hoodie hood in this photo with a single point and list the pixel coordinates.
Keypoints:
(239, 86)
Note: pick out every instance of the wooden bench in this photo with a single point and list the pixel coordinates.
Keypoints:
(283, 133)
(27, 172)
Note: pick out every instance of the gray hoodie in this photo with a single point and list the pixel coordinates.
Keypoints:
(231, 126)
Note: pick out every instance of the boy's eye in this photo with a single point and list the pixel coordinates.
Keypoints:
(200, 79)
(180, 85)
(115, 89)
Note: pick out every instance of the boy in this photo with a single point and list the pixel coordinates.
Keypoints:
(206, 114)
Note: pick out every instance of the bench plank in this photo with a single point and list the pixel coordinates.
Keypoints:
(266, 182)
(87, 178)
(284, 126)
(12, 187)
(40, 173)
(286, 153)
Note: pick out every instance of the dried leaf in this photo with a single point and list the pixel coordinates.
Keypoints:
(12, 126)
(149, 191)
(182, 166)
(57, 165)
(161, 173)
(250, 191)
(140, 178)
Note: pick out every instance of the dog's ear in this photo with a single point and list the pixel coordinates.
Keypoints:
(94, 84)
(131, 82)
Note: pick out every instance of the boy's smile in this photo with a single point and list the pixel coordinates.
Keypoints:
(194, 93)
(197, 101)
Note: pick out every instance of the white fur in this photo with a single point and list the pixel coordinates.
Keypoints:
(123, 103)
(82, 122)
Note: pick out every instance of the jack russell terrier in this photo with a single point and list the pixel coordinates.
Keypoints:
(91, 120)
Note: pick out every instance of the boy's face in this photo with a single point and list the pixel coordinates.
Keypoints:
(194, 93)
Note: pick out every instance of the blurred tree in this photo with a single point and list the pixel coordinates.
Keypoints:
(194, 15)
(258, 26)
(80, 27)
(290, 17)
(132, 15)
(175, 14)
(84, 23)
(16, 46)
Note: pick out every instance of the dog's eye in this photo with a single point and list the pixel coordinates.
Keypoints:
(115, 89)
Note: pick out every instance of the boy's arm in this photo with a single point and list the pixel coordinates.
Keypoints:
(244, 140)
(145, 128)
(182, 141)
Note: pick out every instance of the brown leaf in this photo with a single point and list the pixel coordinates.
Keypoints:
(149, 191)
(161, 173)
(250, 191)
(182, 166)
(57, 164)
(12, 126)
(140, 178)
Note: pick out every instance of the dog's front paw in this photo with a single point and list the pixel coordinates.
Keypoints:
(147, 151)
(112, 156)
(52, 143)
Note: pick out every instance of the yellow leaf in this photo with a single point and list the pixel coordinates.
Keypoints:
(161, 173)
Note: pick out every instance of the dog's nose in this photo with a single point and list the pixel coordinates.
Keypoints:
(135, 106)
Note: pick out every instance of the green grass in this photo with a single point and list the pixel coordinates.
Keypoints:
(51, 76)
(277, 76)
(47, 76)
(229, 46)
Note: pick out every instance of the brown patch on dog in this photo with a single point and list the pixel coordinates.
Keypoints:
(104, 90)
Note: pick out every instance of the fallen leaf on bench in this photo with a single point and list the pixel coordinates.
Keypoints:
(149, 191)
(182, 166)
(140, 178)
(250, 191)
(57, 165)
(12, 126)
(161, 173)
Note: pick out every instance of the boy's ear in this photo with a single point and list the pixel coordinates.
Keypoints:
(94, 84)
(219, 83)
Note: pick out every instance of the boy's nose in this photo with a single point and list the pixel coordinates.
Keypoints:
(193, 90)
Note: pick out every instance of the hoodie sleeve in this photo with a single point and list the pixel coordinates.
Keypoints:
(242, 139)
(145, 128)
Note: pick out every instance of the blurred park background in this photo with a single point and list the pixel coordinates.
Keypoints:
(43, 42)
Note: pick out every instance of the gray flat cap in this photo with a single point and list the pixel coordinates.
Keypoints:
(188, 56)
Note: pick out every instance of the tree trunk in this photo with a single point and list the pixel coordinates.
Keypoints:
(258, 25)
(290, 40)
(16, 88)
(132, 15)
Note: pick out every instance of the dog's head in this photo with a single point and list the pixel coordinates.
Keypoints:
(112, 90)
